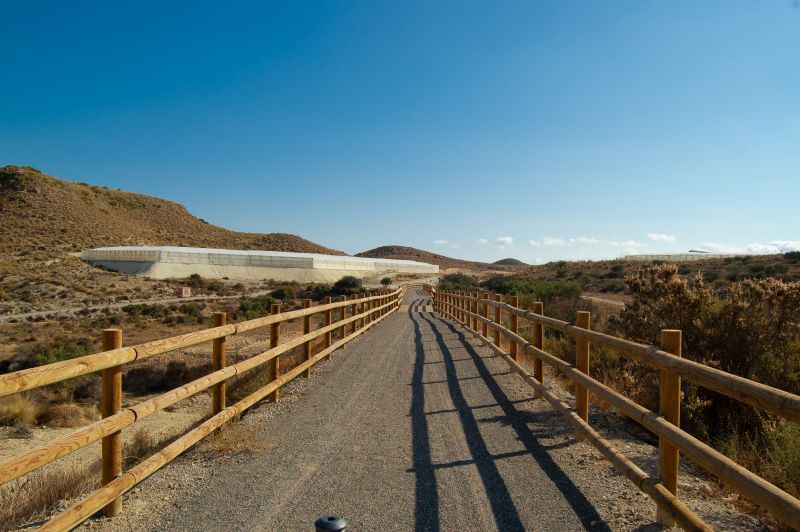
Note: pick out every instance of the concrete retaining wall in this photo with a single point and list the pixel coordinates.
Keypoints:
(177, 262)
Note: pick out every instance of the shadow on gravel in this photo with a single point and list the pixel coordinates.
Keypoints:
(427, 498)
(506, 514)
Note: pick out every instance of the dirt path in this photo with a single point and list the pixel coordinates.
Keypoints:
(409, 428)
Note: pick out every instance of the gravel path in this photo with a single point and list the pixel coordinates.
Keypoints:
(411, 427)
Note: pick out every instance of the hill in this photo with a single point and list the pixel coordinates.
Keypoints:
(409, 253)
(509, 262)
(45, 220)
(41, 212)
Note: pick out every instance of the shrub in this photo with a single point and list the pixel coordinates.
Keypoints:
(792, 256)
(386, 281)
(750, 329)
(347, 285)
(57, 352)
(457, 281)
(283, 293)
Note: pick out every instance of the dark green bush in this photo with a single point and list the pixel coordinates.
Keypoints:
(458, 281)
(283, 293)
(386, 281)
(347, 285)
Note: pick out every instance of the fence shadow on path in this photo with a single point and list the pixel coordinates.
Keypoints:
(505, 513)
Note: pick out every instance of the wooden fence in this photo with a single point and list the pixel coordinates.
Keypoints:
(364, 312)
(472, 310)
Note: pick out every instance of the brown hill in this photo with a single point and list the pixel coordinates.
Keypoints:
(409, 253)
(41, 212)
(509, 262)
(44, 220)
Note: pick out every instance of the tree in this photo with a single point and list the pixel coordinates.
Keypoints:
(386, 281)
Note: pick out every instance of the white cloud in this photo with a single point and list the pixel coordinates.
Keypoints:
(775, 246)
(624, 243)
(586, 240)
(548, 241)
(481, 242)
(441, 242)
(660, 237)
(502, 242)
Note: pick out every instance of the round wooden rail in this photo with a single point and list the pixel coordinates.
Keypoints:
(19, 465)
(783, 505)
(28, 379)
(767, 398)
(76, 514)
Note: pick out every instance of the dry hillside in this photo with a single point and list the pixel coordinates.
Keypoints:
(510, 262)
(43, 220)
(40, 212)
(409, 253)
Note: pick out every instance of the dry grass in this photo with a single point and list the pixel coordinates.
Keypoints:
(234, 437)
(141, 446)
(17, 410)
(35, 495)
(68, 415)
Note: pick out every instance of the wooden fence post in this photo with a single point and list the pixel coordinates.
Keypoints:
(473, 307)
(582, 364)
(110, 404)
(514, 327)
(306, 330)
(327, 315)
(218, 362)
(497, 317)
(670, 410)
(353, 313)
(485, 314)
(538, 342)
(275, 363)
(342, 316)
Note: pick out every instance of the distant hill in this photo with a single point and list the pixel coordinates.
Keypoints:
(41, 212)
(509, 262)
(409, 253)
(44, 220)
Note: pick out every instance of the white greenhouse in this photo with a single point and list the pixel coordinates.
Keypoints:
(167, 262)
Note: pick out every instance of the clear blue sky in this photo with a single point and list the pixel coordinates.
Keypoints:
(540, 130)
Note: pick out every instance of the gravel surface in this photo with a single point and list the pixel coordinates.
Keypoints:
(412, 426)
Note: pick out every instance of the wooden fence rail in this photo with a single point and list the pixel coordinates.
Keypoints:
(461, 307)
(371, 310)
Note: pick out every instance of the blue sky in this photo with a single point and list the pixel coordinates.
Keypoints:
(539, 130)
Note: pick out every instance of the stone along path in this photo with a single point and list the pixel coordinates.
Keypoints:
(410, 428)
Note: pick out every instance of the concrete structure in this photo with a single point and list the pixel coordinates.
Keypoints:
(676, 257)
(176, 262)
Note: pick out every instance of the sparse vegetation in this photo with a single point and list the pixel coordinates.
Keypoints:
(751, 329)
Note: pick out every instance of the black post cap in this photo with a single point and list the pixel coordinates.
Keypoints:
(330, 523)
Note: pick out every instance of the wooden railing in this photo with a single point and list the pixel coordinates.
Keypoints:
(364, 313)
(472, 310)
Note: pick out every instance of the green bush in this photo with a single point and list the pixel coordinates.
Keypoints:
(256, 307)
(458, 281)
(386, 281)
(283, 293)
(347, 285)
(750, 329)
(61, 351)
(792, 256)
